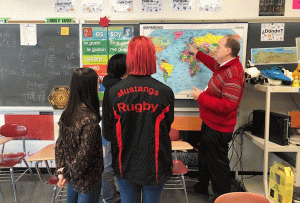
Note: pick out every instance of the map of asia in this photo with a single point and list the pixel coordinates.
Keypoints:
(176, 66)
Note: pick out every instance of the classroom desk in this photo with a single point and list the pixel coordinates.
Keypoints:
(45, 154)
(181, 145)
(48, 153)
(4, 140)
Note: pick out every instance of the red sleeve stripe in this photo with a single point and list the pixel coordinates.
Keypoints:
(231, 97)
(233, 85)
(215, 87)
(157, 126)
(119, 138)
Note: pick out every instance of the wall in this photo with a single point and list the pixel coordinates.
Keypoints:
(233, 10)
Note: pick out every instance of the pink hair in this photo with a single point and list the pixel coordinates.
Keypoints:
(141, 58)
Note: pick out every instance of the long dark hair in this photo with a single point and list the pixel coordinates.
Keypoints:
(83, 90)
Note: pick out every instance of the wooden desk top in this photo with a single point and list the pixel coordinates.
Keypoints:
(181, 145)
(47, 153)
(4, 140)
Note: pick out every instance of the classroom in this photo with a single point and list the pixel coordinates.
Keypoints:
(42, 43)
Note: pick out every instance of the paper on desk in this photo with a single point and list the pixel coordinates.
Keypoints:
(28, 34)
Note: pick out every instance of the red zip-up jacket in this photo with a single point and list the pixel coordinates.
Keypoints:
(141, 113)
(219, 103)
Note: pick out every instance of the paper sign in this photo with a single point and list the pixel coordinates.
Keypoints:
(272, 32)
(28, 34)
(3, 20)
(152, 6)
(182, 5)
(64, 30)
(58, 20)
(122, 6)
(296, 4)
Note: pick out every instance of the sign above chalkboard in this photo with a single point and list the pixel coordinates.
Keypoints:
(58, 20)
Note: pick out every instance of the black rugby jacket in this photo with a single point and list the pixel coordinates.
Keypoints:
(141, 113)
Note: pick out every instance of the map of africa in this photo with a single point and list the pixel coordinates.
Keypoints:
(177, 67)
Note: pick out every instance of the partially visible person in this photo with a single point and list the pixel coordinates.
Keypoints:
(116, 69)
(142, 111)
(78, 149)
(218, 106)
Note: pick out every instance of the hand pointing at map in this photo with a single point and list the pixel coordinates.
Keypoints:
(196, 93)
(193, 49)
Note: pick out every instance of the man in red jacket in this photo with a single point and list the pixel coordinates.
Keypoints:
(218, 106)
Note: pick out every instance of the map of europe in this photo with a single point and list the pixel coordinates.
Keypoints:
(177, 67)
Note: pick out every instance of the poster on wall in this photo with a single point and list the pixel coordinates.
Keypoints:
(95, 51)
(272, 32)
(124, 6)
(92, 6)
(64, 6)
(210, 5)
(99, 44)
(271, 8)
(176, 66)
(277, 55)
(119, 38)
(182, 5)
(152, 6)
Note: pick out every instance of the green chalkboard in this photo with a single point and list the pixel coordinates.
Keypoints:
(29, 73)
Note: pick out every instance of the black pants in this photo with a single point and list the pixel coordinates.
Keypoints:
(213, 162)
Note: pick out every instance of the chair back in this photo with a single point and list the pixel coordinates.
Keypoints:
(13, 130)
(242, 197)
(174, 134)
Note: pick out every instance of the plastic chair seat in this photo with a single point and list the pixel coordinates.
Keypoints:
(241, 197)
(10, 160)
(179, 168)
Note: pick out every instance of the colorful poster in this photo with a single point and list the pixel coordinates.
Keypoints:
(125, 6)
(64, 6)
(152, 6)
(179, 69)
(182, 5)
(99, 44)
(278, 55)
(92, 6)
(95, 51)
(119, 38)
(272, 32)
(210, 5)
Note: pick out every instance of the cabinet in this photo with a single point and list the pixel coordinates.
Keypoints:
(265, 144)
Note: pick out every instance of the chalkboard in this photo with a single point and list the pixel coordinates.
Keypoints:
(29, 73)
(291, 31)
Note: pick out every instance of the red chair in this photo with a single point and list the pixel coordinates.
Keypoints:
(11, 160)
(179, 169)
(241, 197)
(59, 196)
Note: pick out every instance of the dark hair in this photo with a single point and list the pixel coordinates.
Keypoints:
(233, 44)
(141, 58)
(83, 90)
(116, 66)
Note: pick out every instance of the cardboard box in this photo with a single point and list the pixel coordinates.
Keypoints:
(281, 183)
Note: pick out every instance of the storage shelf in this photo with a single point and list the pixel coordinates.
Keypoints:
(266, 145)
(272, 147)
(278, 89)
(254, 184)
